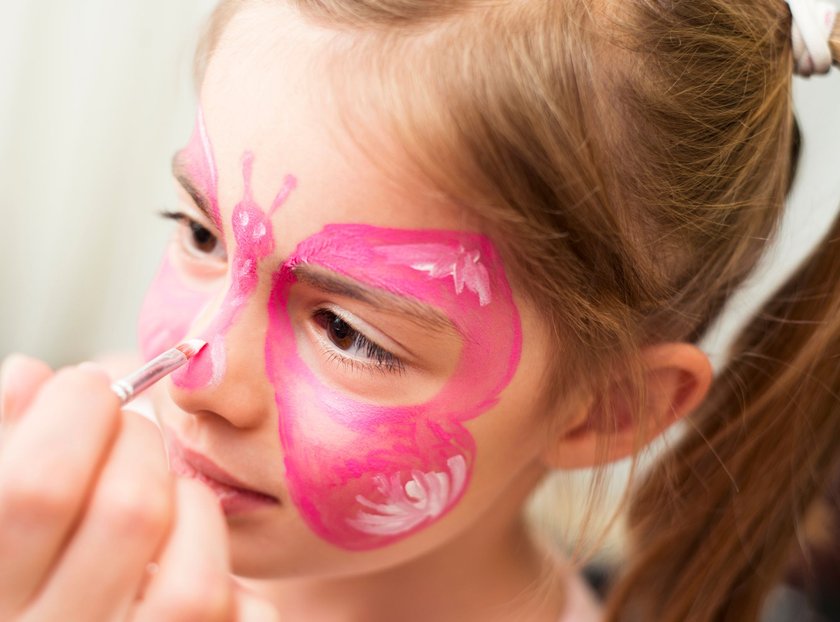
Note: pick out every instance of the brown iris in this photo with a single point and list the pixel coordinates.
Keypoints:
(203, 238)
(341, 334)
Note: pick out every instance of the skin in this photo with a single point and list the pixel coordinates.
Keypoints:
(264, 405)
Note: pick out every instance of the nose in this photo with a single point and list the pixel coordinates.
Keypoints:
(227, 379)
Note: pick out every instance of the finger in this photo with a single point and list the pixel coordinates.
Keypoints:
(126, 521)
(47, 468)
(193, 581)
(20, 378)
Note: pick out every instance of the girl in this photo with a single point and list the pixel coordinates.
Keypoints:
(437, 249)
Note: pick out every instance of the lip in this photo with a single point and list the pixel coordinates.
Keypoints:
(234, 496)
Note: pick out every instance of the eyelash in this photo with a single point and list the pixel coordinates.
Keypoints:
(383, 361)
(197, 229)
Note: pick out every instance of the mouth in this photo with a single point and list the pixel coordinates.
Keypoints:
(234, 496)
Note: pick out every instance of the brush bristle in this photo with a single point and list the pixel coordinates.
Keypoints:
(191, 347)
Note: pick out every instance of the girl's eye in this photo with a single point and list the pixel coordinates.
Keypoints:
(203, 240)
(197, 239)
(341, 334)
(359, 349)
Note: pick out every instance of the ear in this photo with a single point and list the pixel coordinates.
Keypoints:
(677, 377)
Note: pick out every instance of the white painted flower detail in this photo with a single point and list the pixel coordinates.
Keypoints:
(422, 498)
(441, 261)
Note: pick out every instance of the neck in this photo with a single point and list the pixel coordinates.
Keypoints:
(490, 571)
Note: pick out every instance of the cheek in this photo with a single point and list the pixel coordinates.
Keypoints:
(168, 311)
(361, 475)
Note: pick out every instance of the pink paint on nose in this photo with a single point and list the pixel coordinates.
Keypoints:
(254, 240)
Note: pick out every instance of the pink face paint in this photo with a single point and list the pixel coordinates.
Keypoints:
(168, 311)
(197, 158)
(441, 261)
(365, 475)
(252, 234)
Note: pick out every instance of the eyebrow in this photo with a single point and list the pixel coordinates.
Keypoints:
(331, 283)
(179, 172)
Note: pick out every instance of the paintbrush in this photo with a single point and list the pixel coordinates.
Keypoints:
(138, 381)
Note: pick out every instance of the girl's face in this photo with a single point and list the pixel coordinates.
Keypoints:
(370, 383)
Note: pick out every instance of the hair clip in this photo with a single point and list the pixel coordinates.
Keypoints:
(811, 29)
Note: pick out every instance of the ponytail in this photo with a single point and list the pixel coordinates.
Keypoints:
(714, 523)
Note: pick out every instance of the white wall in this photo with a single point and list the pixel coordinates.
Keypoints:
(95, 96)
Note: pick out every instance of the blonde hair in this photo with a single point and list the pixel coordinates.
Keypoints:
(632, 160)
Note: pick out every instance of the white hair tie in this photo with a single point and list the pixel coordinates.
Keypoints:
(811, 33)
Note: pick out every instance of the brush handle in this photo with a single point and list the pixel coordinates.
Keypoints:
(138, 381)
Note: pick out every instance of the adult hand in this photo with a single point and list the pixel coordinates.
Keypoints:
(92, 524)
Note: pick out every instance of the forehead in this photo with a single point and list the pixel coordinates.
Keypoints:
(268, 91)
